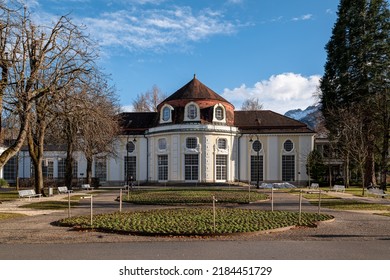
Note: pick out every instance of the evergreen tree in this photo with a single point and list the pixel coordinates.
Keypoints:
(357, 73)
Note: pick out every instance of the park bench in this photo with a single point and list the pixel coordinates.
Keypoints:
(63, 189)
(314, 186)
(86, 187)
(28, 194)
(337, 188)
(377, 192)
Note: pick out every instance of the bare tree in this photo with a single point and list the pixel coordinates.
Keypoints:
(148, 101)
(41, 62)
(99, 127)
(251, 104)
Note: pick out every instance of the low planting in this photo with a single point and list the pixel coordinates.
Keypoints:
(193, 221)
(197, 197)
(49, 205)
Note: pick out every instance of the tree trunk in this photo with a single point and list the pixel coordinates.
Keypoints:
(89, 170)
(384, 161)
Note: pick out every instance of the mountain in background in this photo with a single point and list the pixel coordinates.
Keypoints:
(310, 116)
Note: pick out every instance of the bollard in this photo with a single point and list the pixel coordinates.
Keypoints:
(300, 206)
(319, 202)
(249, 194)
(120, 200)
(68, 204)
(214, 212)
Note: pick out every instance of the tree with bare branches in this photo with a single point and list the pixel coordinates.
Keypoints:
(148, 101)
(251, 104)
(38, 63)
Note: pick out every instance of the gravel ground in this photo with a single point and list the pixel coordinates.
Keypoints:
(36, 226)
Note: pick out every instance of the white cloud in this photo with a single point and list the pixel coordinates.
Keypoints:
(141, 29)
(304, 17)
(279, 93)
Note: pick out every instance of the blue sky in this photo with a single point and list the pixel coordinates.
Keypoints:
(270, 49)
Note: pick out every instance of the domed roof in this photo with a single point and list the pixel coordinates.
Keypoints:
(195, 90)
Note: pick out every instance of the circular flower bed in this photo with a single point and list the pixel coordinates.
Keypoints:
(195, 221)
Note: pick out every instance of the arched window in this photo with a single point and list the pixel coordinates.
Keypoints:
(166, 114)
(192, 112)
(219, 115)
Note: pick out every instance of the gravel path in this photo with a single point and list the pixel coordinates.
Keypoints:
(37, 228)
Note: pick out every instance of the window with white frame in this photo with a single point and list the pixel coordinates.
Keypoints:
(191, 166)
(75, 169)
(101, 168)
(222, 144)
(61, 168)
(162, 144)
(9, 172)
(221, 167)
(166, 114)
(130, 168)
(191, 112)
(219, 113)
(48, 168)
(288, 168)
(191, 143)
(257, 167)
(163, 167)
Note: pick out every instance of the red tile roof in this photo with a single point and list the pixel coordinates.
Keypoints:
(194, 90)
(264, 121)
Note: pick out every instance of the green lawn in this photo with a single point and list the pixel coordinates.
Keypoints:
(197, 197)
(4, 216)
(8, 195)
(49, 205)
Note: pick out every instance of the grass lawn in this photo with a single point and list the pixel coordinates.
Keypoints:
(9, 195)
(349, 204)
(194, 197)
(193, 221)
(4, 216)
(49, 205)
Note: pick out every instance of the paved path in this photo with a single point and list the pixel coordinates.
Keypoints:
(352, 235)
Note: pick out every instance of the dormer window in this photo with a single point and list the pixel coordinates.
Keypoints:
(219, 114)
(192, 112)
(166, 114)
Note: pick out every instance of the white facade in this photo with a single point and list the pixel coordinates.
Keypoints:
(195, 137)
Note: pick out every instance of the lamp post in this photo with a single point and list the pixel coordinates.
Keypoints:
(257, 148)
(129, 149)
